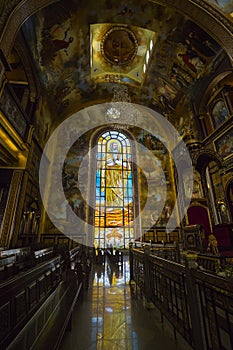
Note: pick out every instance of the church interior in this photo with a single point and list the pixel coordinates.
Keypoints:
(116, 185)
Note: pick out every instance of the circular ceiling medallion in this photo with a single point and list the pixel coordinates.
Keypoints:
(119, 45)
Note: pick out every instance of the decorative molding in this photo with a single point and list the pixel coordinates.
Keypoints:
(218, 132)
(202, 157)
(229, 181)
(208, 95)
(20, 209)
(15, 15)
(29, 67)
(6, 7)
(12, 111)
(2, 71)
(10, 211)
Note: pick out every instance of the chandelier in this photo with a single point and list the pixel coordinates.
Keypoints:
(120, 112)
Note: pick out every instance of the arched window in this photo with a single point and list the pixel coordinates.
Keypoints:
(114, 191)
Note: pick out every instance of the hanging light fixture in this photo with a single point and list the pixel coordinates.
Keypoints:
(119, 47)
(120, 111)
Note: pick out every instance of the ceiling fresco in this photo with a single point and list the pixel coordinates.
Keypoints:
(59, 39)
(226, 6)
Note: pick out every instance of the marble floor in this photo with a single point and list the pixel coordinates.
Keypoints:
(113, 316)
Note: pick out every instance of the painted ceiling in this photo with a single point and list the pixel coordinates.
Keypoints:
(65, 40)
(226, 6)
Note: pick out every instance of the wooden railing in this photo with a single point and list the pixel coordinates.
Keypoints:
(158, 234)
(208, 262)
(199, 305)
(169, 251)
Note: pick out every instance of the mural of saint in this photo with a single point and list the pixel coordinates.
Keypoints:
(224, 145)
(219, 113)
(193, 62)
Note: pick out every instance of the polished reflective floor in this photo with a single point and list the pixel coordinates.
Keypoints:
(113, 316)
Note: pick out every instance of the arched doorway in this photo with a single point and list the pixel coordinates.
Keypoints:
(229, 197)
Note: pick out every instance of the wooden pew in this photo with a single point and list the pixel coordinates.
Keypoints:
(12, 261)
(22, 259)
(22, 295)
(47, 294)
(7, 267)
(115, 256)
(99, 256)
(43, 254)
(60, 319)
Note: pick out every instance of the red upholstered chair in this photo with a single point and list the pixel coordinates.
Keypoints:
(199, 214)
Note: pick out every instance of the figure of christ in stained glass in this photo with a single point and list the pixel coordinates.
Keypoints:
(114, 188)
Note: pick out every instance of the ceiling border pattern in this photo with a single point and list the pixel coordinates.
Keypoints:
(216, 14)
(6, 7)
(15, 15)
(208, 18)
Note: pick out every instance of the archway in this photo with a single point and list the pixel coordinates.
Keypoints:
(229, 197)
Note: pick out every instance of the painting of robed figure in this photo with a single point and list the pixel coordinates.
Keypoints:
(114, 189)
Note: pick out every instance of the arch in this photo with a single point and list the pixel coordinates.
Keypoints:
(13, 16)
(229, 195)
(203, 157)
(207, 17)
(207, 97)
(202, 161)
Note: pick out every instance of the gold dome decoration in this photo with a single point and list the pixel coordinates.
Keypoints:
(119, 45)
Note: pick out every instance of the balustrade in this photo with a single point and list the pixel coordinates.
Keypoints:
(198, 304)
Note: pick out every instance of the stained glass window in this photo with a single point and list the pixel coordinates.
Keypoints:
(114, 191)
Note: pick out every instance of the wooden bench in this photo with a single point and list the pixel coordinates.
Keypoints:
(22, 295)
(56, 313)
(44, 298)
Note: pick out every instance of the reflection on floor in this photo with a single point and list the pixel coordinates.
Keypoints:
(112, 317)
